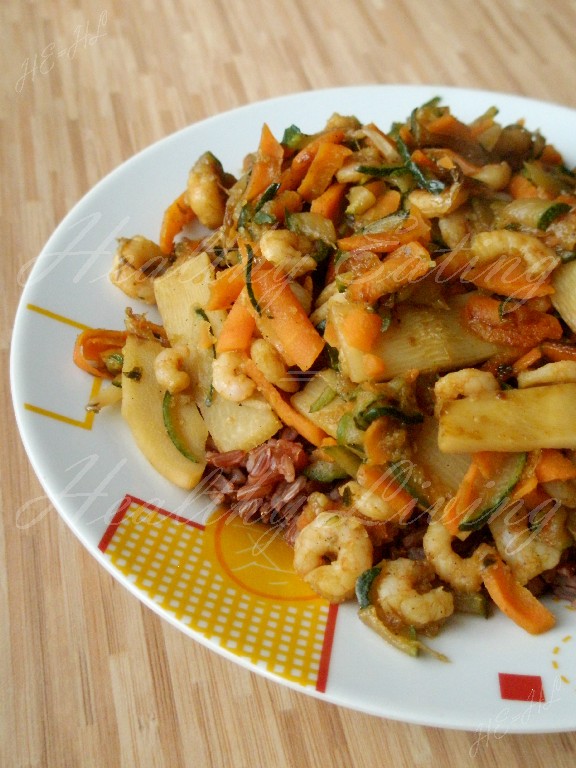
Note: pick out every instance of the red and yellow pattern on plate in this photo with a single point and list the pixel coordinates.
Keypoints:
(230, 581)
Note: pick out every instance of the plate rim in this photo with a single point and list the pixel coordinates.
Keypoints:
(15, 373)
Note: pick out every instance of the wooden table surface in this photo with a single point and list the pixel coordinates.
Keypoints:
(89, 676)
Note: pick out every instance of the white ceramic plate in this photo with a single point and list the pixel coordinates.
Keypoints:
(229, 586)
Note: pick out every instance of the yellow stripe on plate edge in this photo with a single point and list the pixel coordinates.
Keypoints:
(88, 420)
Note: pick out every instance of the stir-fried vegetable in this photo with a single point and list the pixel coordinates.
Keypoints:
(403, 303)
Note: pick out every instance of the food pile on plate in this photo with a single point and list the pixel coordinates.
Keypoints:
(370, 347)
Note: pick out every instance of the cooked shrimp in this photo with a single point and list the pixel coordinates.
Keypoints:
(360, 200)
(168, 369)
(403, 590)
(385, 146)
(136, 263)
(562, 490)
(461, 573)
(344, 122)
(349, 173)
(229, 380)
(524, 549)
(554, 528)
(272, 366)
(304, 292)
(133, 282)
(562, 232)
(206, 193)
(467, 382)
(537, 257)
(317, 502)
(441, 203)
(367, 503)
(330, 553)
(494, 175)
(560, 372)
(288, 250)
(455, 228)
(141, 253)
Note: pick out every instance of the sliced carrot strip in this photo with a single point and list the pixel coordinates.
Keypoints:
(295, 173)
(556, 351)
(507, 277)
(527, 360)
(267, 166)
(465, 500)
(519, 186)
(285, 318)
(176, 216)
(361, 328)
(525, 488)
(91, 345)
(386, 204)
(373, 366)
(286, 201)
(379, 242)
(523, 327)
(483, 467)
(375, 444)
(554, 465)
(415, 227)
(422, 160)
(330, 203)
(516, 601)
(238, 328)
(488, 462)
(405, 264)
(328, 160)
(226, 287)
(285, 412)
(449, 125)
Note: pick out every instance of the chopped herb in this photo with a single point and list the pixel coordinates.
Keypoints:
(246, 215)
(167, 406)
(268, 194)
(320, 251)
(347, 497)
(114, 362)
(379, 408)
(364, 584)
(249, 286)
(135, 374)
(293, 137)
(551, 213)
(567, 256)
(430, 185)
(324, 399)
(382, 171)
(261, 217)
(332, 353)
(386, 317)
(201, 313)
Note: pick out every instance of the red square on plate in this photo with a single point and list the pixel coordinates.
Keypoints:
(521, 687)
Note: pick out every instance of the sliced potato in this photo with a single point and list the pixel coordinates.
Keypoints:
(564, 296)
(512, 420)
(328, 416)
(142, 399)
(182, 295)
(422, 338)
